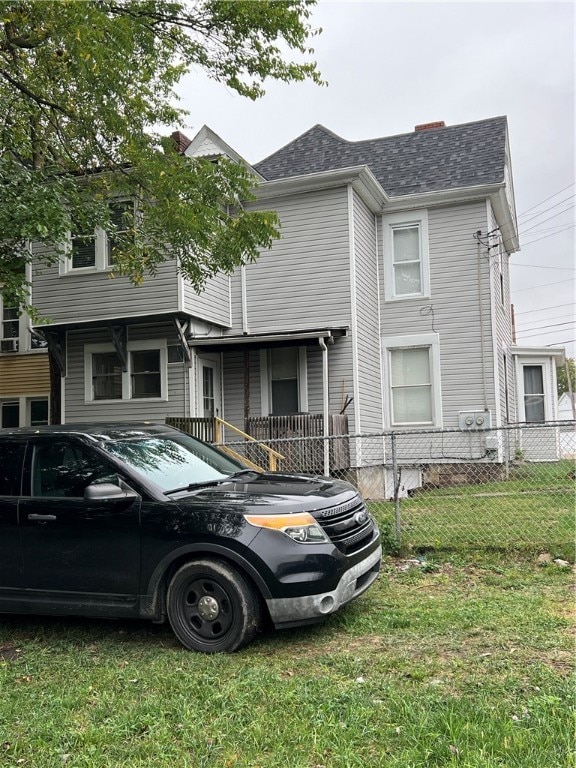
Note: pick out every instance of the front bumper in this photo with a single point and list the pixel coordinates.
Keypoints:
(296, 611)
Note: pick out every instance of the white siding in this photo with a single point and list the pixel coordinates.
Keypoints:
(96, 296)
(77, 409)
(455, 302)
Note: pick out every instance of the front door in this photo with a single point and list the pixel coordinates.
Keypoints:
(72, 548)
(209, 386)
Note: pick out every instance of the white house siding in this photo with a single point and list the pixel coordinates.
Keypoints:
(502, 326)
(212, 303)
(76, 407)
(90, 296)
(303, 281)
(367, 319)
(455, 303)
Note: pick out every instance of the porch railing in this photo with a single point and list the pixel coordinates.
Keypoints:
(211, 430)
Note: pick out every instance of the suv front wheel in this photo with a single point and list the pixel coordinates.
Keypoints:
(211, 607)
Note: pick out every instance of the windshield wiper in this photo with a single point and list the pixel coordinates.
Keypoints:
(212, 483)
(195, 486)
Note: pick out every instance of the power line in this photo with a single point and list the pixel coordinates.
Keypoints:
(541, 266)
(546, 236)
(545, 285)
(542, 327)
(535, 226)
(537, 215)
(543, 309)
(545, 319)
(546, 199)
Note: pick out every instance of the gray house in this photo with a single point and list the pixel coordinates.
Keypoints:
(385, 301)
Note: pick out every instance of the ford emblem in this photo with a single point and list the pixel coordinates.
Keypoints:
(360, 517)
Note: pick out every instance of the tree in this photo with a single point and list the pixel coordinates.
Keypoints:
(562, 374)
(86, 95)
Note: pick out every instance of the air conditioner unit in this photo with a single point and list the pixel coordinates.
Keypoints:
(475, 419)
(9, 345)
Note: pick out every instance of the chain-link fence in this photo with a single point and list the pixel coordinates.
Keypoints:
(511, 487)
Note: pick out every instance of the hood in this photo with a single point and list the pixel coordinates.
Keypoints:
(266, 493)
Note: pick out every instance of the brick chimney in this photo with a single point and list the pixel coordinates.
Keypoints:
(182, 142)
(427, 126)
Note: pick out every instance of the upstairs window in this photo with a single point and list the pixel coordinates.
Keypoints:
(122, 217)
(94, 251)
(406, 256)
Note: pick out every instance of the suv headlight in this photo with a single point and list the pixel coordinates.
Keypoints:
(301, 527)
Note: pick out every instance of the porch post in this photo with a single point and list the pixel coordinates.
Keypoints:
(326, 406)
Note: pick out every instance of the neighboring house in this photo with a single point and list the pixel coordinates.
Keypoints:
(567, 412)
(387, 297)
(24, 371)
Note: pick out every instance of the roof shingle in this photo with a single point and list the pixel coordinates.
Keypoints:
(428, 160)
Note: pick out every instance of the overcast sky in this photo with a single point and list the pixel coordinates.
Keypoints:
(391, 66)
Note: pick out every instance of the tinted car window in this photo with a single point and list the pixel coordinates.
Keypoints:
(11, 457)
(66, 469)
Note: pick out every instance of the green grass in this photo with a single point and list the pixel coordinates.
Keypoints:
(533, 510)
(462, 661)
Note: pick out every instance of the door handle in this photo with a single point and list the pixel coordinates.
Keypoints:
(41, 517)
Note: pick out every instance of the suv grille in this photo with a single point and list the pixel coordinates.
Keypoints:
(349, 526)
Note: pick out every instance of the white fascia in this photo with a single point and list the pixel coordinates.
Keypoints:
(360, 177)
(496, 193)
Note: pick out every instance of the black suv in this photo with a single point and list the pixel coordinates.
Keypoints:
(141, 520)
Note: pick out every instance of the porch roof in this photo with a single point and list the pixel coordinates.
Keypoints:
(266, 340)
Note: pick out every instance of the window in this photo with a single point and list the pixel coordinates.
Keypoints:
(413, 365)
(283, 373)
(65, 470)
(534, 401)
(11, 460)
(406, 258)
(284, 381)
(122, 218)
(146, 377)
(10, 323)
(106, 376)
(94, 251)
(38, 412)
(10, 414)
(208, 399)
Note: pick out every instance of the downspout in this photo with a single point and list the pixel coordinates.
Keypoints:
(325, 404)
(244, 302)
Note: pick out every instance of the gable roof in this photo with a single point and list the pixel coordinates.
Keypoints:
(430, 160)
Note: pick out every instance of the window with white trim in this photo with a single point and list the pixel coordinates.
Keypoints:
(284, 381)
(413, 385)
(534, 395)
(145, 379)
(406, 256)
(94, 251)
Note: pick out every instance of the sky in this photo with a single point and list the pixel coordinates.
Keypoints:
(391, 66)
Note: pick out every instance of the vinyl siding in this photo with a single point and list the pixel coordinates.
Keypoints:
(77, 409)
(24, 375)
(367, 318)
(455, 303)
(212, 303)
(96, 296)
(304, 280)
(502, 325)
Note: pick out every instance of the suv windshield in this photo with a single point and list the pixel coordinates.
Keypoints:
(173, 461)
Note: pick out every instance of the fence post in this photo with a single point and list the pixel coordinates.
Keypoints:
(397, 519)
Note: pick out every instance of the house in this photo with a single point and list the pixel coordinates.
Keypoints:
(385, 300)
(24, 371)
(567, 412)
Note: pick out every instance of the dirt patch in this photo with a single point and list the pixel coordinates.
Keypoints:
(9, 652)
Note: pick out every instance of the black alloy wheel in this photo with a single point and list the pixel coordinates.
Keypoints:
(212, 608)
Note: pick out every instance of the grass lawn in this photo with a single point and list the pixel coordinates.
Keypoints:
(533, 510)
(464, 660)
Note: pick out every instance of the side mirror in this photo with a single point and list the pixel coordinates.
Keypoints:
(108, 492)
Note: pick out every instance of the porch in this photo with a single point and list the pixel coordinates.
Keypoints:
(264, 443)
